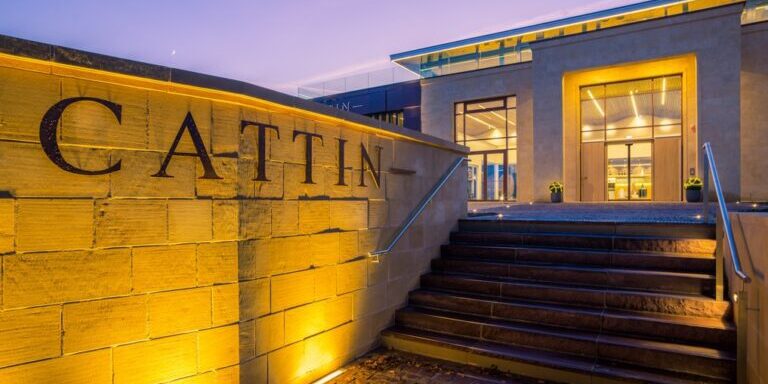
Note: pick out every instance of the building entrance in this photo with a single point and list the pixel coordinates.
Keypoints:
(631, 147)
(629, 172)
(489, 128)
(488, 175)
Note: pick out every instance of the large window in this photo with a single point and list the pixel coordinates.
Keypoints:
(489, 129)
(632, 110)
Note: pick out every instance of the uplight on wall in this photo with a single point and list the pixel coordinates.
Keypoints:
(327, 378)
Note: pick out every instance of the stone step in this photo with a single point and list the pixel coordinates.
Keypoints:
(649, 325)
(672, 357)
(546, 365)
(658, 281)
(680, 230)
(675, 304)
(633, 260)
(677, 245)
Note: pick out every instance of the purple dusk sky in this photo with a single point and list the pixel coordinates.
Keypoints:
(279, 44)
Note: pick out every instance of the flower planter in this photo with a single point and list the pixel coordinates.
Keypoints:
(693, 195)
(556, 197)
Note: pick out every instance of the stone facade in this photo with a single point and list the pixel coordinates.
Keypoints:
(122, 277)
(439, 95)
(754, 114)
(548, 147)
(752, 314)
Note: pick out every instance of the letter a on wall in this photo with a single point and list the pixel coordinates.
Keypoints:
(202, 153)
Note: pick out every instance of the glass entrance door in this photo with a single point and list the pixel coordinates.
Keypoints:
(487, 175)
(629, 173)
(495, 176)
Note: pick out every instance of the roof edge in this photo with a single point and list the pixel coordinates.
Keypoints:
(536, 27)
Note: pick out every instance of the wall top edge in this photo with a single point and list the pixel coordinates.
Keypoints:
(62, 56)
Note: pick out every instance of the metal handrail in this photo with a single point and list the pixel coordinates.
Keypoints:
(418, 210)
(710, 166)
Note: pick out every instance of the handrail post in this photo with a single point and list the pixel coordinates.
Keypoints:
(374, 255)
(705, 214)
(723, 210)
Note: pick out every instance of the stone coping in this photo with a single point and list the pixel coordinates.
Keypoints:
(68, 56)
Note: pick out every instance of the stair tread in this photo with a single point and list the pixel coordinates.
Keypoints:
(546, 284)
(568, 267)
(589, 235)
(693, 321)
(678, 348)
(694, 256)
(545, 358)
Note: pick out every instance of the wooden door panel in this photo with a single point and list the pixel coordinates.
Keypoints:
(593, 171)
(667, 170)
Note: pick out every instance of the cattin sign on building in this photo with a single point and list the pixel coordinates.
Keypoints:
(50, 146)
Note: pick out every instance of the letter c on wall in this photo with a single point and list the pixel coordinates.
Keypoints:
(48, 134)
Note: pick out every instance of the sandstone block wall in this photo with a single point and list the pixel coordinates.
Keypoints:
(127, 278)
(749, 230)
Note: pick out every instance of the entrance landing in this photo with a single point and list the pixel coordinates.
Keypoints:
(674, 213)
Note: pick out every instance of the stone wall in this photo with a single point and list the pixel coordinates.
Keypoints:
(122, 277)
(752, 320)
(440, 94)
(754, 114)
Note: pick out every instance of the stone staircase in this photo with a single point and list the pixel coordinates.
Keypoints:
(575, 303)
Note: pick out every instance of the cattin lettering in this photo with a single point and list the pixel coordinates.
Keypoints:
(50, 122)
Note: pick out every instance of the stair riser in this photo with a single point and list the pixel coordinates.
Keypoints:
(582, 297)
(667, 361)
(678, 245)
(575, 257)
(611, 279)
(574, 319)
(697, 231)
(577, 345)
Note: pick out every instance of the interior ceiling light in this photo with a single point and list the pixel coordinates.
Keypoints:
(634, 104)
(599, 108)
(496, 114)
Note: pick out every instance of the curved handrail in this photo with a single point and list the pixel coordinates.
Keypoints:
(723, 210)
(418, 210)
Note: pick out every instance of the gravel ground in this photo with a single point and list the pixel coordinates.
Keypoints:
(386, 367)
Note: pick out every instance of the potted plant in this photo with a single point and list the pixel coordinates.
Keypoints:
(556, 192)
(693, 187)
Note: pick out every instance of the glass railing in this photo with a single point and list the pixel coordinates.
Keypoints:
(395, 74)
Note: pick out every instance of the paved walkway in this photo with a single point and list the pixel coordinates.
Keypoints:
(389, 367)
(603, 212)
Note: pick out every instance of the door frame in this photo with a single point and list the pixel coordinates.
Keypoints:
(484, 186)
(683, 133)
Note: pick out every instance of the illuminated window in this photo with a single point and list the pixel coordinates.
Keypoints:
(489, 128)
(631, 110)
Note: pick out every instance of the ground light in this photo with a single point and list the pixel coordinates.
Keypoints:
(327, 378)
